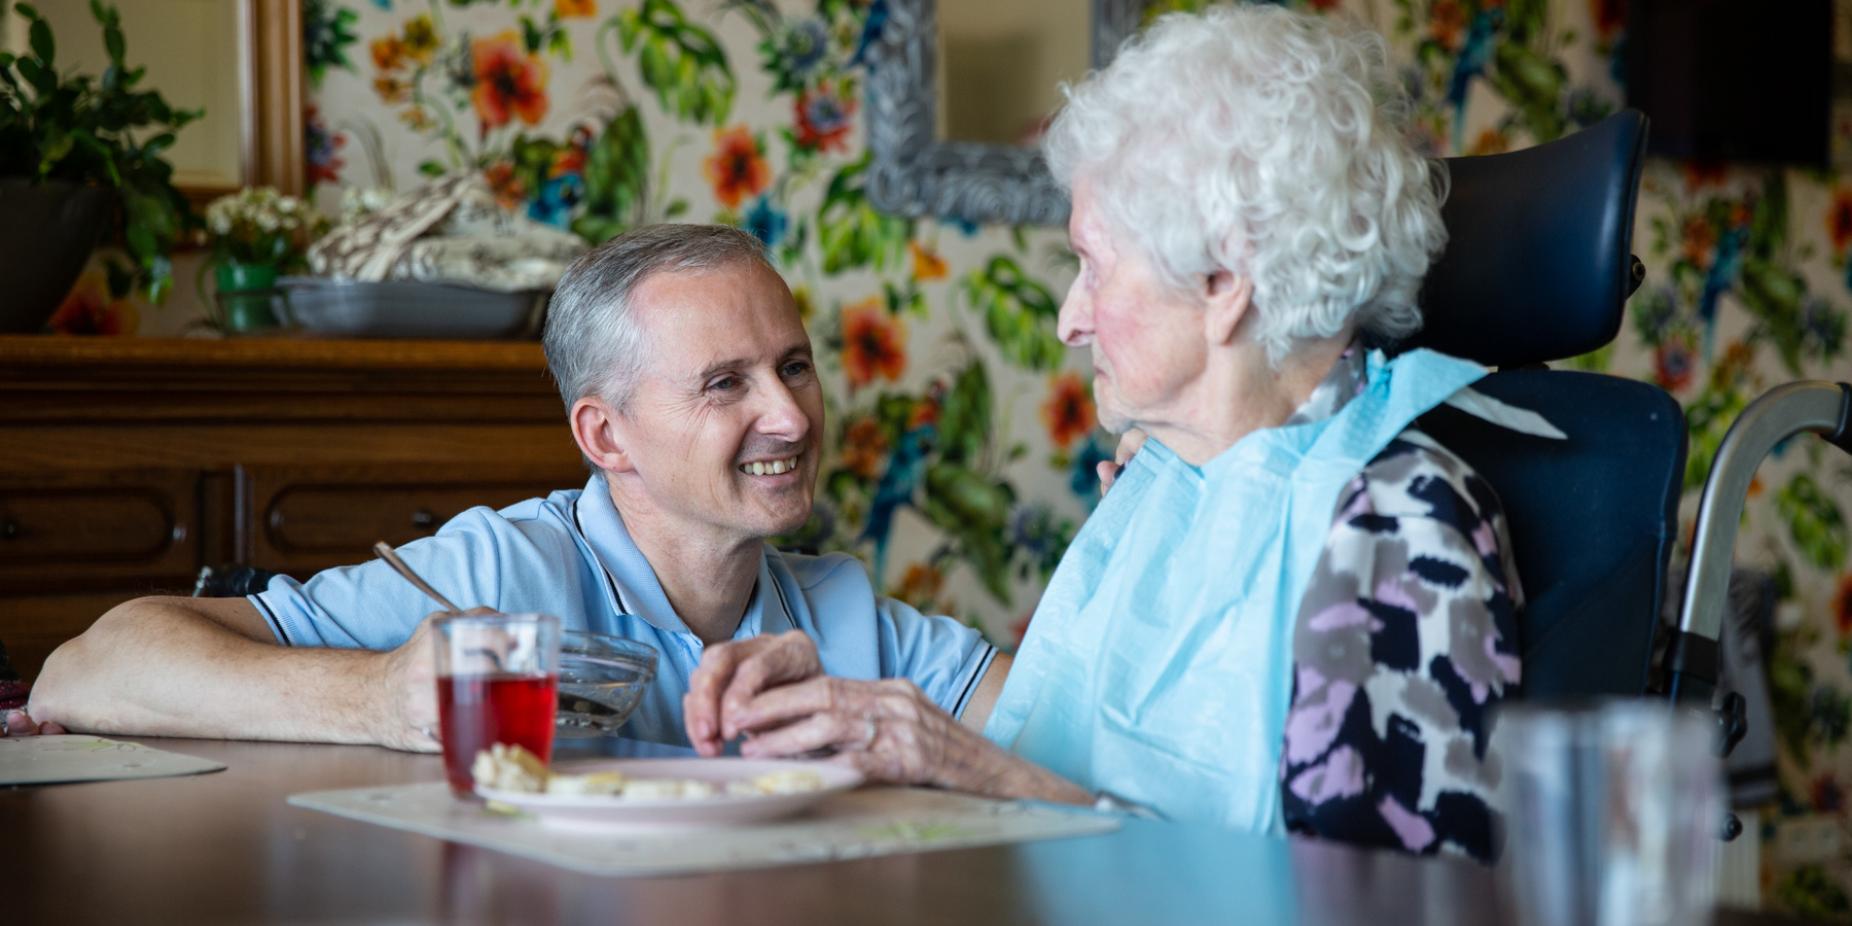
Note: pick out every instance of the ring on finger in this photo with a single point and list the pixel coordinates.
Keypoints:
(869, 732)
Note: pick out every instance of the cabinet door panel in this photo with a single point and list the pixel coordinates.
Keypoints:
(101, 528)
(303, 520)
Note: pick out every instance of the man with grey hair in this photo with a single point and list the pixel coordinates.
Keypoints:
(692, 393)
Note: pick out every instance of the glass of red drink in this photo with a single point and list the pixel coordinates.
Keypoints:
(497, 682)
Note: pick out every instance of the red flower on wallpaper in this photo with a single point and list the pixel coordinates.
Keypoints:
(89, 309)
(570, 9)
(1698, 241)
(874, 343)
(864, 447)
(1447, 23)
(508, 189)
(1490, 141)
(571, 158)
(388, 52)
(1069, 410)
(509, 83)
(737, 168)
(1842, 605)
(920, 587)
(823, 118)
(1839, 219)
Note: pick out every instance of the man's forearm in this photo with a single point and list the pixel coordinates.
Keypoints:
(155, 667)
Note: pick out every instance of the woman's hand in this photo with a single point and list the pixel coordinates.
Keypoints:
(1129, 442)
(891, 732)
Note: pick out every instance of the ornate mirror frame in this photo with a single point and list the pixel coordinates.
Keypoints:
(274, 154)
(913, 172)
(270, 74)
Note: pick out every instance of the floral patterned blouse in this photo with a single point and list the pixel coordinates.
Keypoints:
(1406, 640)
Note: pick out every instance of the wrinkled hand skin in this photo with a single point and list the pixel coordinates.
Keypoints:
(891, 732)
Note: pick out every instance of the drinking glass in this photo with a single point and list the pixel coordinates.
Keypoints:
(1614, 809)
(497, 675)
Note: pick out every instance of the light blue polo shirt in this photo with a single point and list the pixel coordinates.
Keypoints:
(569, 555)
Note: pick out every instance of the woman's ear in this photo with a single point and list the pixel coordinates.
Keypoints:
(1227, 299)
(595, 429)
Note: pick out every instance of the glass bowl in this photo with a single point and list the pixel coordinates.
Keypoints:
(602, 678)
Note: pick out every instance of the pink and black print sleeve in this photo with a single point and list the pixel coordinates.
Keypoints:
(1405, 641)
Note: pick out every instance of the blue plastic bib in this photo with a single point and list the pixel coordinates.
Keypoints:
(1157, 667)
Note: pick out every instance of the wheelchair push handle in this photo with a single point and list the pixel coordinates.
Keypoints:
(1841, 436)
(1825, 408)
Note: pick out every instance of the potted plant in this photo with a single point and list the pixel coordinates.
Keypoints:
(256, 234)
(78, 151)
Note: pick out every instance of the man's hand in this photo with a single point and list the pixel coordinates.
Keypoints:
(732, 674)
(406, 690)
(1129, 442)
(19, 723)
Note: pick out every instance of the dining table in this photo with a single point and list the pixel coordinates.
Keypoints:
(227, 847)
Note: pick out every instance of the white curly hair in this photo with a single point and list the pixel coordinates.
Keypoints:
(1268, 143)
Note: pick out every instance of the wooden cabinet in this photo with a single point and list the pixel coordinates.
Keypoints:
(127, 464)
(305, 519)
(79, 528)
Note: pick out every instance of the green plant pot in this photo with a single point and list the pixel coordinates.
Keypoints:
(47, 231)
(248, 298)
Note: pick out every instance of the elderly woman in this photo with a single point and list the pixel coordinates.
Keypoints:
(1293, 610)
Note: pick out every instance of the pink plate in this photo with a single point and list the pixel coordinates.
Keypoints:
(604, 812)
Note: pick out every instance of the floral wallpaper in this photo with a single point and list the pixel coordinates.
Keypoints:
(964, 437)
(951, 404)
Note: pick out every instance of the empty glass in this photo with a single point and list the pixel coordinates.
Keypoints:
(1614, 809)
(601, 680)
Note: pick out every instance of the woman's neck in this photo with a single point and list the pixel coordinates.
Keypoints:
(1239, 393)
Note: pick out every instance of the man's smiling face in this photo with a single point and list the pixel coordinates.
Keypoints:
(723, 424)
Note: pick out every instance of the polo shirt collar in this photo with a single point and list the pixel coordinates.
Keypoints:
(633, 580)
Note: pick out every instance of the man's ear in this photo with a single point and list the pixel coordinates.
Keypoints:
(1227, 299)
(595, 425)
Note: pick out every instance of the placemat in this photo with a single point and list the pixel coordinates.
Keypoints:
(854, 824)
(39, 760)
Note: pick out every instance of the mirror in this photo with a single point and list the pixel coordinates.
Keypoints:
(958, 91)
(249, 81)
(1001, 66)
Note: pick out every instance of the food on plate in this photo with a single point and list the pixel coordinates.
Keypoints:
(591, 783)
(512, 768)
(665, 789)
(509, 768)
(790, 781)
